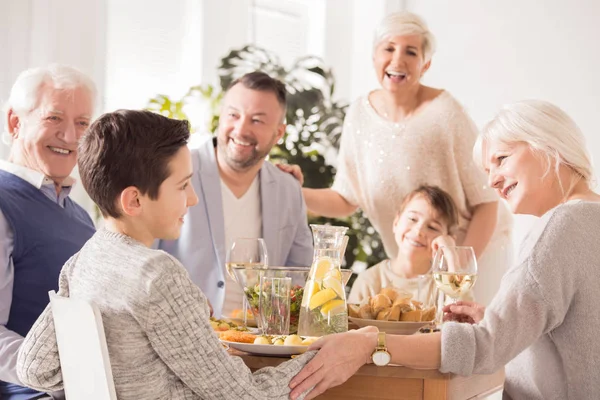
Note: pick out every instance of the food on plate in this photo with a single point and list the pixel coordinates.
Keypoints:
(285, 340)
(261, 340)
(379, 303)
(354, 310)
(221, 325)
(237, 336)
(392, 305)
(366, 312)
(293, 340)
(307, 341)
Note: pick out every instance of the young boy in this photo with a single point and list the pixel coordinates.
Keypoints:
(137, 168)
(424, 223)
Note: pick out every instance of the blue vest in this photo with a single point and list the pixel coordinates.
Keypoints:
(45, 237)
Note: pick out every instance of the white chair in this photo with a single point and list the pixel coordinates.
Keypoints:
(84, 361)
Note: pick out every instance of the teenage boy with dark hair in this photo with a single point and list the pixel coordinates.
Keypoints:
(136, 166)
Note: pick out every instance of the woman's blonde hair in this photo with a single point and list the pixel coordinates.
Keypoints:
(548, 131)
(405, 23)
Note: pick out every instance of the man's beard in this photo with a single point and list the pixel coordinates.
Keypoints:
(248, 162)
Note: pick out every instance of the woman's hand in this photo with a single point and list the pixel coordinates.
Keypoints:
(294, 170)
(464, 311)
(339, 357)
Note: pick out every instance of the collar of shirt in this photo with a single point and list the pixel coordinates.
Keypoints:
(40, 181)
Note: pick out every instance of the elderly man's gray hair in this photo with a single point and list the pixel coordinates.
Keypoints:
(25, 93)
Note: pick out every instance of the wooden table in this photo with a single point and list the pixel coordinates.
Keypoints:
(399, 383)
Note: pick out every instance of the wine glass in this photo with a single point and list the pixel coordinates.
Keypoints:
(246, 253)
(454, 272)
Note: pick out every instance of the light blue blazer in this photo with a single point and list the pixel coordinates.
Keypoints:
(201, 246)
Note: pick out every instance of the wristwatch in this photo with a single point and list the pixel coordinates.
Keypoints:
(380, 356)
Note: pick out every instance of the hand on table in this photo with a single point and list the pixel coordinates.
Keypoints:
(294, 170)
(339, 357)
(464, 311)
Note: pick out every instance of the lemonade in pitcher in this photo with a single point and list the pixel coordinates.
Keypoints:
(323, 308)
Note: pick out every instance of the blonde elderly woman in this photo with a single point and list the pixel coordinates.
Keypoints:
(48, 110)
(543, 323)
(404, 135)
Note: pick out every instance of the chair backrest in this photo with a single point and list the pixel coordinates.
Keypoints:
(82, 349)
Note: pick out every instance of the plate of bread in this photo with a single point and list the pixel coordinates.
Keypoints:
(392, 311)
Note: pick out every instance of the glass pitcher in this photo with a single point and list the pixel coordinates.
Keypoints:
(323, 308)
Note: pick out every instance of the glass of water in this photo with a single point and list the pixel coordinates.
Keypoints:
(274, 305)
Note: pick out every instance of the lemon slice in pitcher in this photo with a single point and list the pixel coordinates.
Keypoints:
(322, 266)
(334, 307)
(312, 288)
(321, 298)
(334, 283)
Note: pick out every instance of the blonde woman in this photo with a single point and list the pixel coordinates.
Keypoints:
(543, 323)
(404, 135)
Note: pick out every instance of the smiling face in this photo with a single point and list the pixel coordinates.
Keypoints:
(399, 62)
(416, 227)
(46, 139)
(249, 125)
(163, 216)
(521, 177)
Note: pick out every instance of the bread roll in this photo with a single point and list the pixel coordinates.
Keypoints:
(353, 310)
(365, 312)
(404, 304)
(428, 314)
(394, 313)
(380, 302)
(383, 315)
(414, 316)
(390, 292)
(417, 304)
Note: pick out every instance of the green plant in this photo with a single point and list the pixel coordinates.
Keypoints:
(202, 98)
(314, 127)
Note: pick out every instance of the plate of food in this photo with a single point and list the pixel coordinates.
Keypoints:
(282, 346)
(392, 311)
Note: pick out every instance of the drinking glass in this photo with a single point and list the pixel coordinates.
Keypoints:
(274, 305)
(454, 272)
(246, 253)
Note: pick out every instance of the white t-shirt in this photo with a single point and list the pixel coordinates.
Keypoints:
(243, 219)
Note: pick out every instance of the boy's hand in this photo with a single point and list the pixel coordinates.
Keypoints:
(441, 241)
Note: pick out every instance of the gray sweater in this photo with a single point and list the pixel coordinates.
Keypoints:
(544, 323)
(160, 341)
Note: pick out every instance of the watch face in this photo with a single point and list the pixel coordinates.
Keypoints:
(381, 358)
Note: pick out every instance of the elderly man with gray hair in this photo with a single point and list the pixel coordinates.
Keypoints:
(47, 112)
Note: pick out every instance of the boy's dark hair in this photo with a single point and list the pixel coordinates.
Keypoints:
(262, 82)
(440, 200)
(128, 148)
